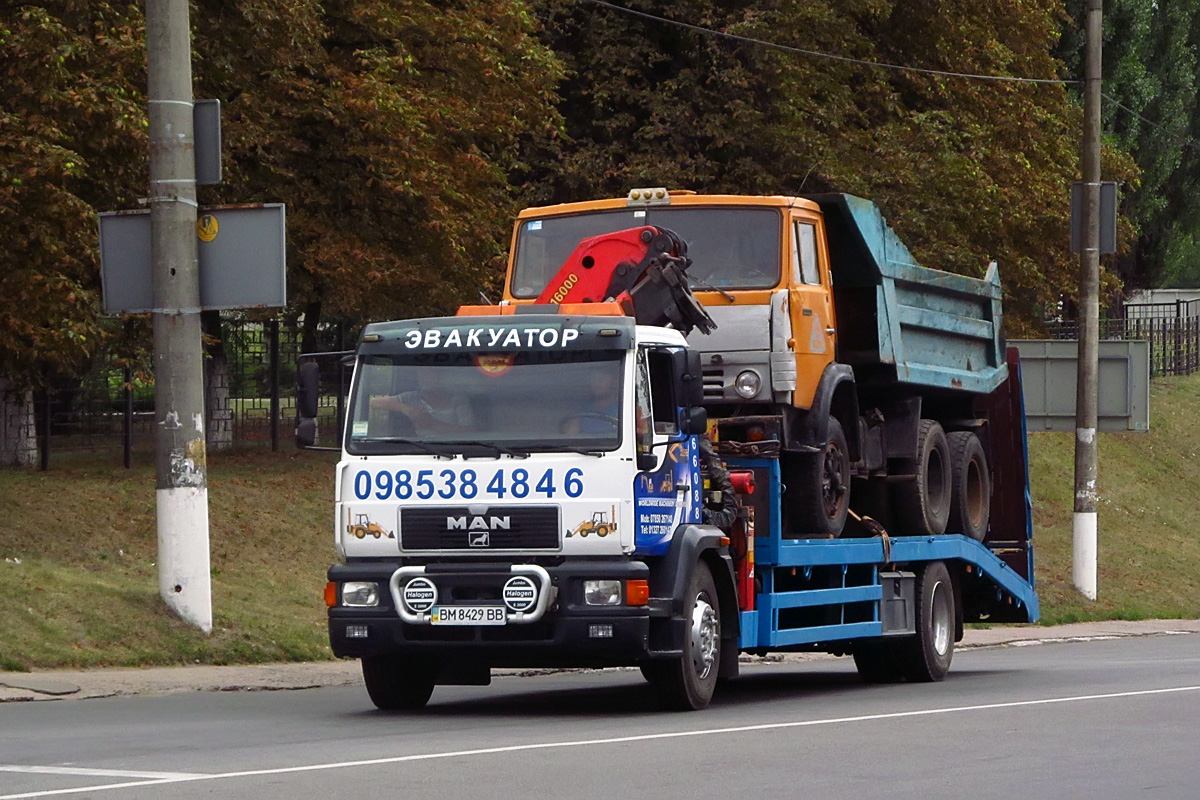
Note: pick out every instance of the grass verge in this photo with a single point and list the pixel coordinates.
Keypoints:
(78, 582)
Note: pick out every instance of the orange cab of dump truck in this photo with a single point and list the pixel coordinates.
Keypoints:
(760, 267)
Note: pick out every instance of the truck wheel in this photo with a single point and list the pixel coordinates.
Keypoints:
(970, 486)
(687, 683)
(926, 657)
(923, 504)
(876, 662)
(821, 497)
(396, 683)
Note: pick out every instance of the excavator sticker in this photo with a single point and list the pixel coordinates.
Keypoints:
(362, 527)
(602, 523)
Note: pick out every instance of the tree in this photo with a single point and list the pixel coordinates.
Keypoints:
(965, 170)
(71, 136)
(1150, 109)
(386, 126)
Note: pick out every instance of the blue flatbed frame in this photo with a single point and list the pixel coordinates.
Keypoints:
(761, 629)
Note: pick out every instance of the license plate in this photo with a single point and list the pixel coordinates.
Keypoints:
(468, 615)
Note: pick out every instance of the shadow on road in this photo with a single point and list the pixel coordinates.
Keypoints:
(623, 692)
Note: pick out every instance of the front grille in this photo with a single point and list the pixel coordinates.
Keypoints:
(498, 528)
(714, 381)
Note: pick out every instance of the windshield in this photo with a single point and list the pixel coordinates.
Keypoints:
(479, 404)
(730, 248)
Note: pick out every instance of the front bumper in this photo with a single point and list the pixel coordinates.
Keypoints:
(565, 635)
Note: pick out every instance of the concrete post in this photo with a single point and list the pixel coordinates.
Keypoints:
(1085, 535)
(182, 475)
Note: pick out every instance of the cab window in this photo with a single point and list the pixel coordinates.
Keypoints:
(804, 253)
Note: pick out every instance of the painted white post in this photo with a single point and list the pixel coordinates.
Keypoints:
(182, 466)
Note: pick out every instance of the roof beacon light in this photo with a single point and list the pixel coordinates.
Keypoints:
(657, 196)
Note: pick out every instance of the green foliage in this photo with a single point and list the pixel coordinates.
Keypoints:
(387, 128)
(72, 139)
(965, 170)
(1151, 73)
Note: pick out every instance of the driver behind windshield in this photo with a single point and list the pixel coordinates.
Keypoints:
(602, 403)
(431, 408)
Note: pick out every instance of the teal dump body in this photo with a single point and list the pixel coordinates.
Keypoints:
(901, 322)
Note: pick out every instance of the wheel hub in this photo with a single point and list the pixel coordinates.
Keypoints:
(832, 489)
(942, 619)
(705, 631)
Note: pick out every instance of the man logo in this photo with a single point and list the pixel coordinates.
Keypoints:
(479, 529)
(478, 523)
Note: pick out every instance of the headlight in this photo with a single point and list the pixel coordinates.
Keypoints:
(602, 593)
(360, 593)
(747, 384)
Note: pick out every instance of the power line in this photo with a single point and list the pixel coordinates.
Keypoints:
(815, 54)
(1185, 141)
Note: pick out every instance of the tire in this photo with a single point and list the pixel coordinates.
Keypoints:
(923, 504)
(398, 684)
(970, 486)
(687, 683)
(821, 491)
(926, 657)
(876, 662)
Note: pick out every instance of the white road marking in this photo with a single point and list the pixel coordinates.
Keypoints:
(98, 773)
(484, 751)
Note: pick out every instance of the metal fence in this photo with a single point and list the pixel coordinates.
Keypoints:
(1172, 329)
(250, 377)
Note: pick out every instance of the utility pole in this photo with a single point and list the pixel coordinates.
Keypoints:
(182, 472)
(1086, 398)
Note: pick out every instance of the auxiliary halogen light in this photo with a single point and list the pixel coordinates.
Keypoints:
(360, 593)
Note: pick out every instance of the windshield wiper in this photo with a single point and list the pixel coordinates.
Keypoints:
(419, 445)
(710, 287)
(498, 448)
(566, 448)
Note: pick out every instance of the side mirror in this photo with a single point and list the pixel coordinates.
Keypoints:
(695, 421)
(308, 389)
(689, 389)
(646, 462)
(306, 432)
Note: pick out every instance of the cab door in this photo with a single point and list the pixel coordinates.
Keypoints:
(811, 303)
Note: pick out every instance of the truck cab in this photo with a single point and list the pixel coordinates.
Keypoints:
(760, 267)
(485, 447)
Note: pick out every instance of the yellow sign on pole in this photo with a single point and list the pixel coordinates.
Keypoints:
(207, 227)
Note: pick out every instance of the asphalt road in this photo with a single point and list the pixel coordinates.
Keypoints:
(1115, 718)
